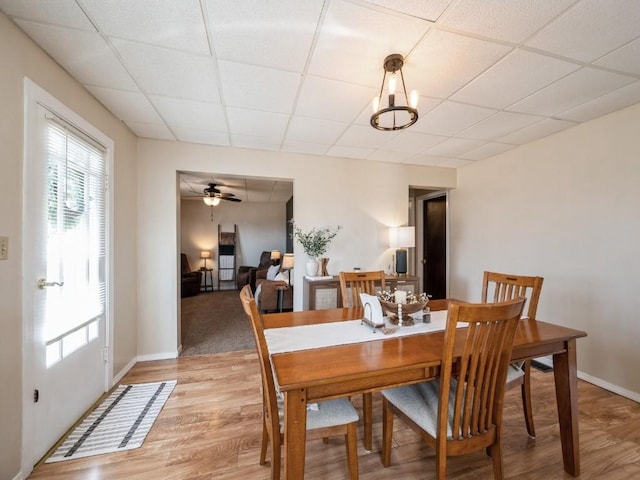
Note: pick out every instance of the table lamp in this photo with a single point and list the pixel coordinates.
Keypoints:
(287, 264)
(402, 238)
(205, 254)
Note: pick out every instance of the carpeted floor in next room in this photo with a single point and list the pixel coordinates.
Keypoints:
(214, 322)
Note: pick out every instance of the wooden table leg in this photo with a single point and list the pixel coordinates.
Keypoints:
(367, 413)
(295, 433)
(566, 379)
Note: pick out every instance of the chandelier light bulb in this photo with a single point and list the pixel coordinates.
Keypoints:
(375, 104)
(392, 84)
(413, 99)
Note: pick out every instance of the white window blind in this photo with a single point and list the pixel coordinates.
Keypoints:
(75, 237)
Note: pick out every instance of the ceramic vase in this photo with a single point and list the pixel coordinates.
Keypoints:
(312, 267)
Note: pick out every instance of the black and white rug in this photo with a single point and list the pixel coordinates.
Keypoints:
(121, 422)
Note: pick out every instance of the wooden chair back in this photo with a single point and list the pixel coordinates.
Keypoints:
(352, 284)
(499, 287)
(270, 403)
(477, 358)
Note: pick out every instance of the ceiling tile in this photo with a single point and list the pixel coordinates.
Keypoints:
(431, 160)
(516, 76)
(190, 114)
(453, 147)
(332, 100)
(349, 152)
(610, 102)
(85, 55)
(255, 123)
(151, 130)
(259, 143)
(272, 34)
(313, 130)
(624, 59)
(499, 125)
(354, 41)
(412, 142)
(486, 151)
(454, 163)
(304, 147)
(571, 91)
(388, 156)
(65, 13)
(359, 135)
(512, 21)
(449, 118)
(591, 29)
(162, 71)
(196, 135)
(177, 25)
(127, 106)
(430, 10)
(443, 62)
(538, 130)
(275, 92)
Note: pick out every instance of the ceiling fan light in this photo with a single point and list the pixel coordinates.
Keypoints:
(216, 201)
(210, 201)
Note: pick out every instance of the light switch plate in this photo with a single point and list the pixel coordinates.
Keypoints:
(4, 248)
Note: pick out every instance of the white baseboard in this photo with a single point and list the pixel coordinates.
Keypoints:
(157, 356)
(124, 371)
(635, 396)
(20, 476)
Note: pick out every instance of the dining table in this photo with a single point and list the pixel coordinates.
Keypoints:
(321, 371)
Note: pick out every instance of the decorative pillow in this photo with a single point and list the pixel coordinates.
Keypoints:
(282, 277)
(272, 272)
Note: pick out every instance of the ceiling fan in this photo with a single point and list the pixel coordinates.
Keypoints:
(213, 195)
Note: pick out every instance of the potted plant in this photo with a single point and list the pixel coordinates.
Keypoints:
(315, 243)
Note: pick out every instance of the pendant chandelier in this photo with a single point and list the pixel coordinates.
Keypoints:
(401, 110)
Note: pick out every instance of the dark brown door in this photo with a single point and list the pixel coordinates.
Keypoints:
(434, 255)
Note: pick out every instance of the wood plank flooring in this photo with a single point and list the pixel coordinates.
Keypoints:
(210, 428)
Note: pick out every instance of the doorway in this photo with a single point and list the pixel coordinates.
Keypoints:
(433, 216)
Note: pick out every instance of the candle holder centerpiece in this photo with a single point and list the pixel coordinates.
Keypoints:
(400, 305)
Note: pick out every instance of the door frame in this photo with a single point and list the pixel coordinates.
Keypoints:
(34, 95)
(419, 250)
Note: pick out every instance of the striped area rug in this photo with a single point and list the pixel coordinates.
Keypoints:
(120, 422)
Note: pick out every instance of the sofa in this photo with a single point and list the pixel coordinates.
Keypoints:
(191, 280)
(267, 295)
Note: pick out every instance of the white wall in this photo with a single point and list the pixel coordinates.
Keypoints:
(364, 197)
(20, 58)
(566, 208)
(261, 226)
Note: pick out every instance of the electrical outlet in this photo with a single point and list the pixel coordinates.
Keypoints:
(4, 248)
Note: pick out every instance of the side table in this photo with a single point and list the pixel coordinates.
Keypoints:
(281, 289)
(208, 280)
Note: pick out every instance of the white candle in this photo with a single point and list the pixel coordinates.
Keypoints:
(401, 296)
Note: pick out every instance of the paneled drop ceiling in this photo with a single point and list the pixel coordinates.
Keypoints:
(299, 75)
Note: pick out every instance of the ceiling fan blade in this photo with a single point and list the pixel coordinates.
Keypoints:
(231, 199)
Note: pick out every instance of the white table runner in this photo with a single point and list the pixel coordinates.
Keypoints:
(306, 337)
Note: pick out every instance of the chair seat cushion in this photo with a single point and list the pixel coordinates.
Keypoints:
(329, 413)
(420, 403)
(514, 372)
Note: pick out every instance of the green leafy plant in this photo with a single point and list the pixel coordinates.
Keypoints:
(316, 241)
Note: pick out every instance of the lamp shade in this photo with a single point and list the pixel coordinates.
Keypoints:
(287, 261)
(402, 237)
(205, 254)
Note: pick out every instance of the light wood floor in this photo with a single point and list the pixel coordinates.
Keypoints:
(210, 428)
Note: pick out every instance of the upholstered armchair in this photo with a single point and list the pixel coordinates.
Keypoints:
(267, 295)
(247, 275)
(191, 281)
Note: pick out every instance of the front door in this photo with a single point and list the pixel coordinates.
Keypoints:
(65, 284)
(434, 255)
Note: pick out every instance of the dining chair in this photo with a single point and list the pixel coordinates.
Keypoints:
(331, 418)
(352, 284)
(498, 287)
(461, 411)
